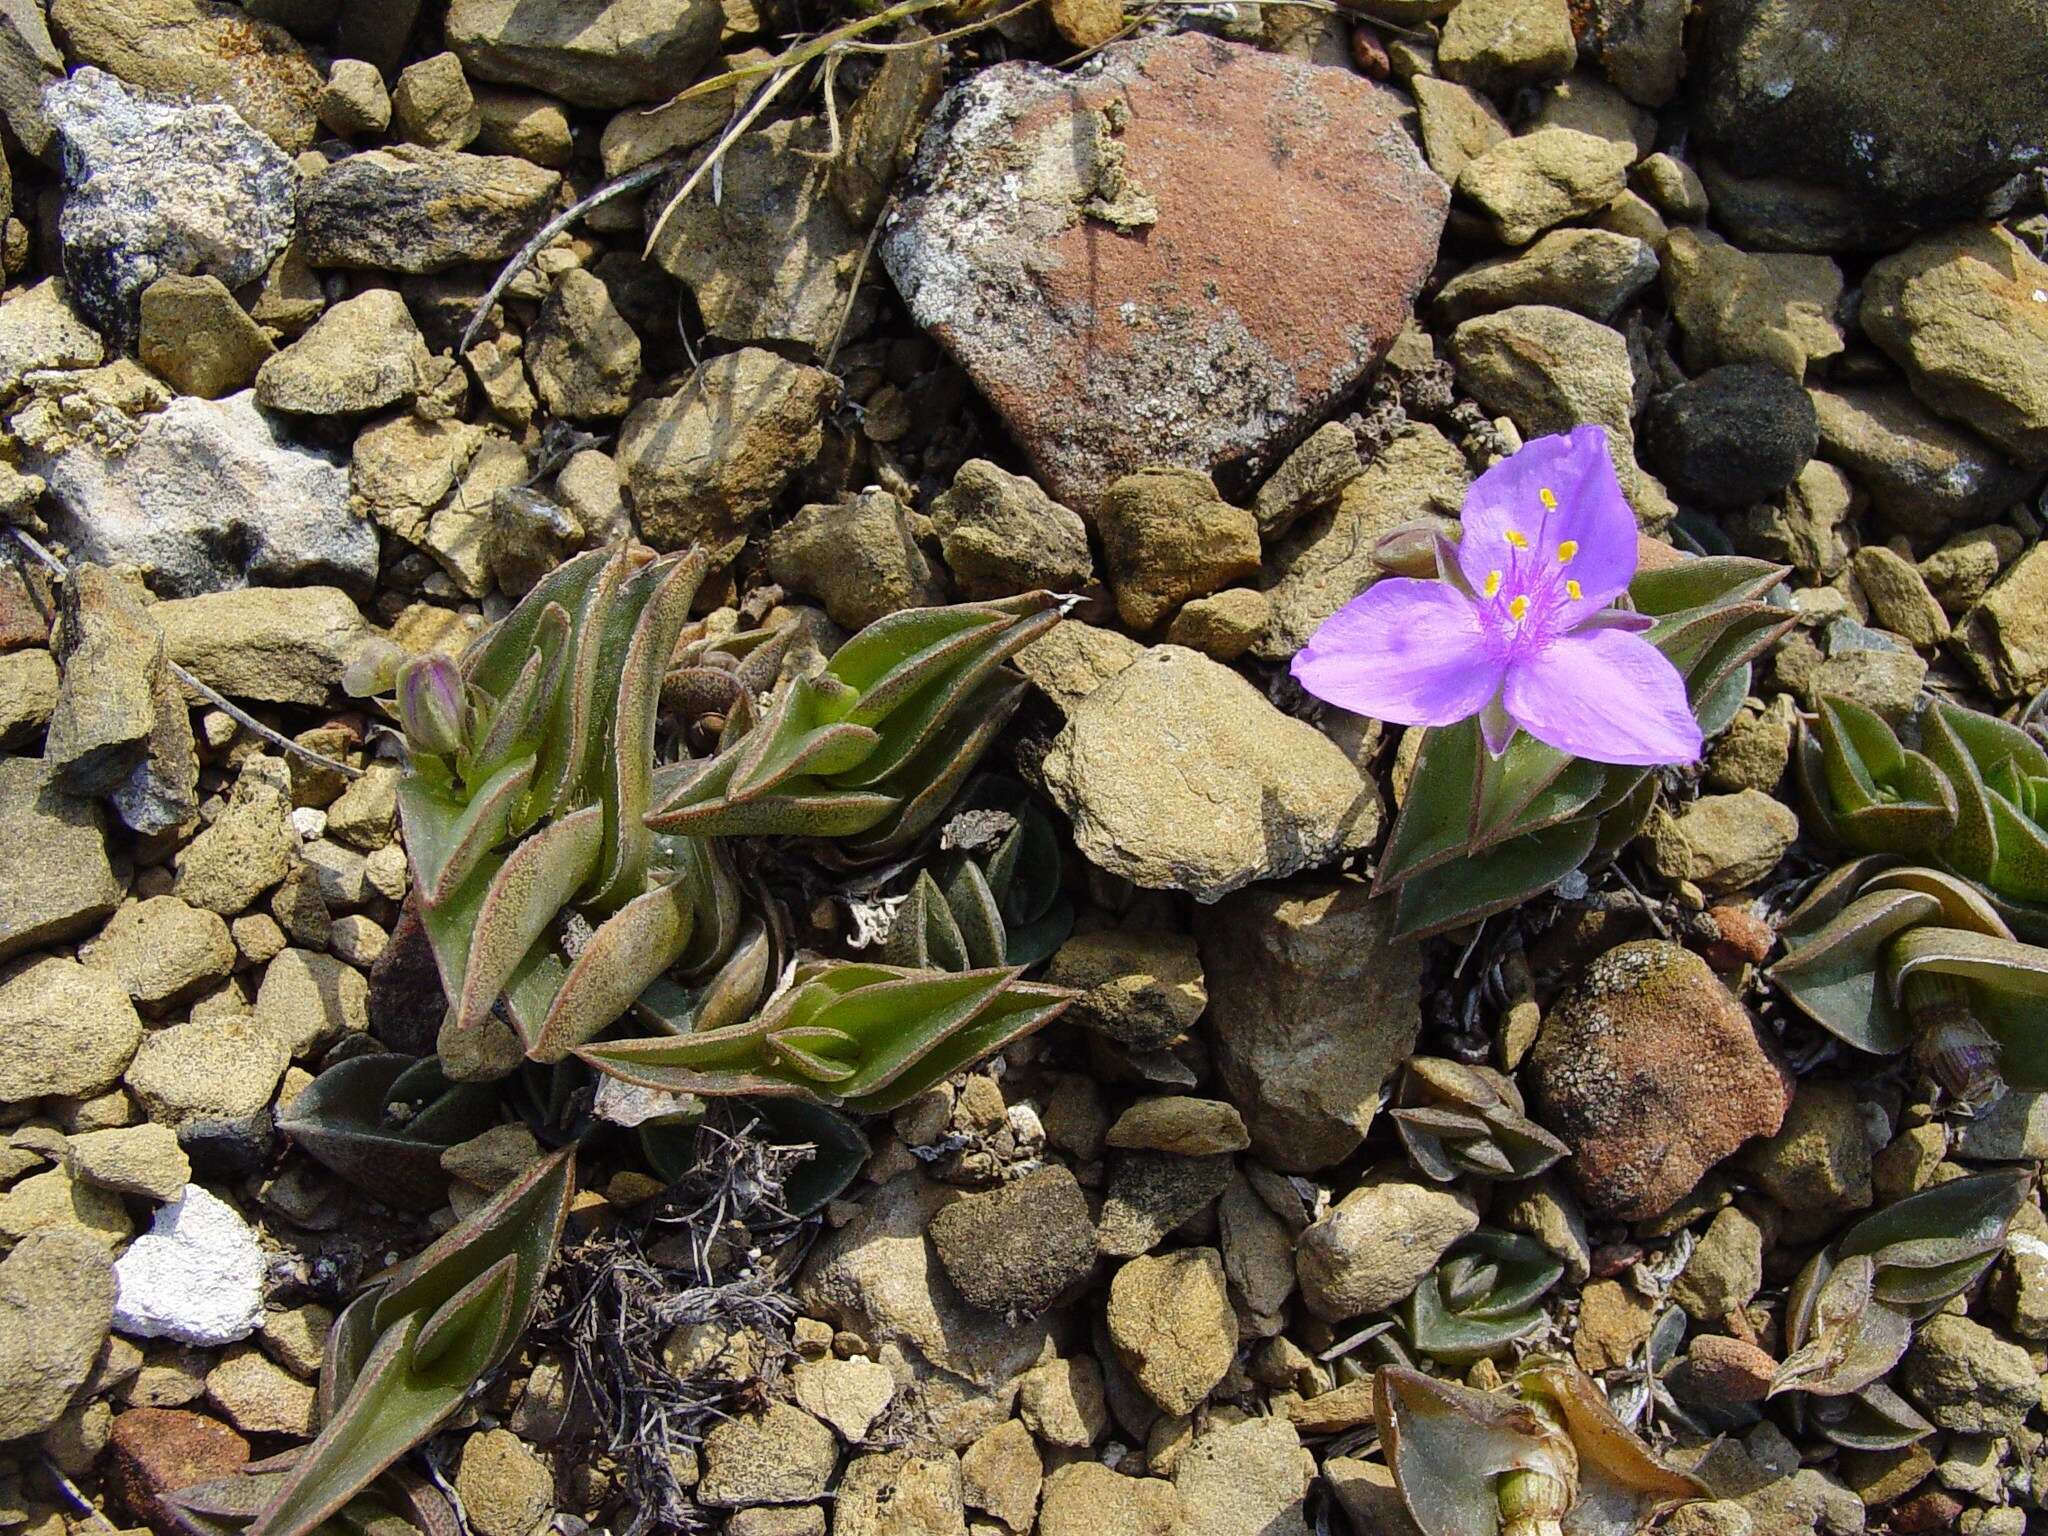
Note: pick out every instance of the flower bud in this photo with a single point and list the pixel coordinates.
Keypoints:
(1409, 550)
(432, 706)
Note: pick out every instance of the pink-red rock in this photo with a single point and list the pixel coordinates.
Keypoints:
(1652, 1072)
(1184, 255)
(155, 1451)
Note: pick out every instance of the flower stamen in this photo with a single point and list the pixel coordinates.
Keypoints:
(1518, 609)
(1566, 550)
(1549, 498)
(1492, 587)
(1574, 591)
(1519, 540)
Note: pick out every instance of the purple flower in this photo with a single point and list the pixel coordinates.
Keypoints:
(1519, 630)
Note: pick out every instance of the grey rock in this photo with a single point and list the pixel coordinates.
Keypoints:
(1313, 1003)
(1924, 476)
(879, 1276)
(287, 645)
(1549, 370)
(29, 60)
(1735, 306)
(207, 49)
(1593, 271)
(1000, 534)
(1639, 45)
(1172, 1325)
(1957, 311)
(1378, 1242)
(1966, 1378)
(198, 338)
(361, 355)
(38, 330)
(703, 463)
(154, 189)
(209, 1081)
(64, 1029)
(1246, 1479)
(592, 53)
(209, 495)
(112, 656)
(1178, 775)
(1722, 843)
(1543, 178)
(409, 209)
(1016, 1248)
(1151, 1193)
(584, 357)
(69, 885)
(858, 557)
(1458, 124)
(56, 1306)
(1497, 46)
(2005, 637)
(774, 259)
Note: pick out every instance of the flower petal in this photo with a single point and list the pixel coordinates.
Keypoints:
(1411, 652)
(1606, 695)
(1591, 516)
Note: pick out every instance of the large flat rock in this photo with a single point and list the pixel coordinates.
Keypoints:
(1183, 254)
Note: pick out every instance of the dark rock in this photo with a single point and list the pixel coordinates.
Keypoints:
(1184, 256)
(1151, 1193)
(408, 209)
(1732, 437)
(1015, 1249)
(1916, 115)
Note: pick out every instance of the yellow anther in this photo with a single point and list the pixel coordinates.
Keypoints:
(1574, 591)
(1518, 610)
(1566, 550)
(1492, 584)
(1549, 497)
(1517, 539)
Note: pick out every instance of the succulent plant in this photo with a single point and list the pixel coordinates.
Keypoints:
(1542, 1457)
(870, 751)
(1888, 957)
(565, 879)
(1456, 1119)
(382, 1122)
(1485, 1295)
(1850, 1315)
(404, 1354)
(1478, 834)
(398, 1503)
(846, 1033)
(1973, 799)
(1002, 908)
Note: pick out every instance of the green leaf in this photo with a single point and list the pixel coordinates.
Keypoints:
(1513, 872)
(1446, 1444)
(345, 1118)
(1837, 977)
(440, 1323)
(621, 960)
(628, 766)
(900, 1032)
(529, 889)
(1435, 820)
(1844, 1337)
(445, 838)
